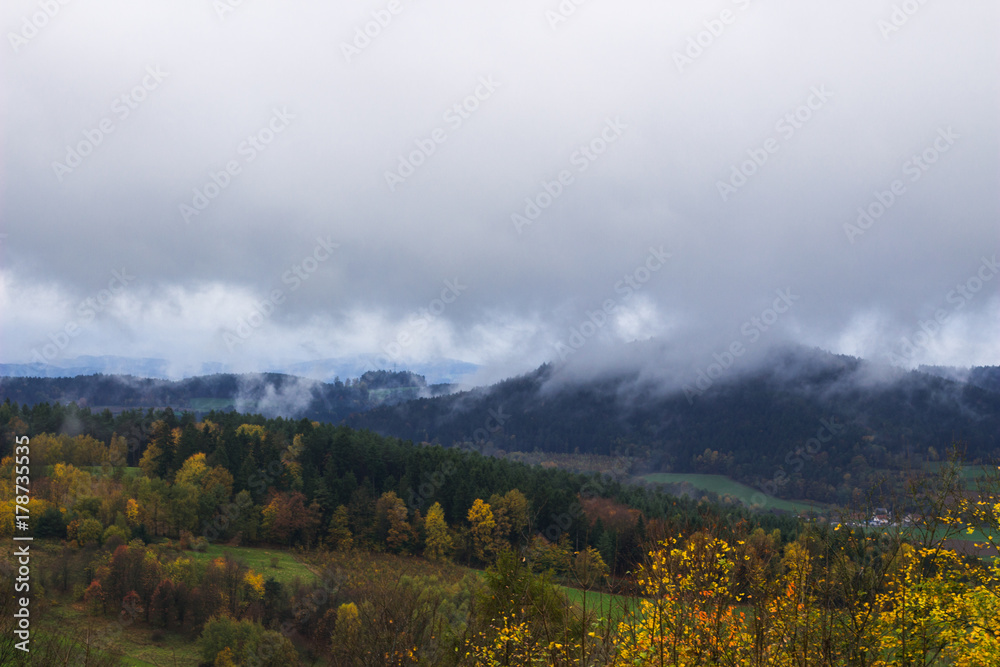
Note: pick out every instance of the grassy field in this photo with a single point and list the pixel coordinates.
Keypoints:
(259, 560)
(970, 474)
(142, 646)
(145, 647)
(723, 486)
(604, 605)
(206, 404)
(961, 536)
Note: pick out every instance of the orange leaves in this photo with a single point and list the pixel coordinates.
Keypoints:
(689, 613)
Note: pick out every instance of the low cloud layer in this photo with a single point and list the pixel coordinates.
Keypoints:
(259, 184)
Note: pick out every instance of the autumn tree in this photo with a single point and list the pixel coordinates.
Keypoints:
(158, 459)
(510, 511)
(966, 590)
(48, 449)
(483, 524)
(132, 568)
(248, 643)
(224, 658)
(390, 518)
(89, 532)
(117, 453)
(153, 496)
(67, 483)
(162, 604)
(192, 471)
(290, 458)
(589, 569)
(526, 617)
(686, 615)
(339, 534)
(438, 542)
(288, 520)
(95, 597)
(344, 638)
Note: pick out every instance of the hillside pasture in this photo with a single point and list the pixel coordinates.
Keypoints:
(724, 486)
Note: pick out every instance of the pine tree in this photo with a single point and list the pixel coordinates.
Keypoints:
(187, 443)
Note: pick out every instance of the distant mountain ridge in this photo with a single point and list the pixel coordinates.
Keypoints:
(107, 365)
(270, 394)
(444, 371)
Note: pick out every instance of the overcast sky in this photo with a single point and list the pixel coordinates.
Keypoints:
(265, 183)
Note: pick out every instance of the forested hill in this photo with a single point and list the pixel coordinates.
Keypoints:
(808, 425)
(749, 428)
(985, 377)
(270, 394)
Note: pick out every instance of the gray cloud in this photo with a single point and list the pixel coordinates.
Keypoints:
(353, 118)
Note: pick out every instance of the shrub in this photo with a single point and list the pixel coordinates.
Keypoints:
(89, 532)
(115, 532)
(51, 523)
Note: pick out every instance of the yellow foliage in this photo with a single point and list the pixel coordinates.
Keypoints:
(67, 483)
(132, 511)
(193, 470)
(253, 430)
(512, 644)
(481, 517)
(438, 542)
(268, 516)
(255, 582)
(180, 570)
(290, 459)
(346, 629)
(8, 513)
(687, 612)
(225, 658)
(348, 618)
(209, 426)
